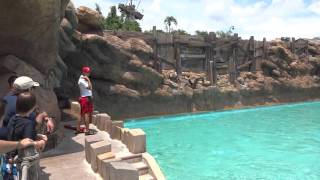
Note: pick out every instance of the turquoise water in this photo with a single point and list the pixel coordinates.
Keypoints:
(277, 142)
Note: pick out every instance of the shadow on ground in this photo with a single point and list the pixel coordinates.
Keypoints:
(69, 143)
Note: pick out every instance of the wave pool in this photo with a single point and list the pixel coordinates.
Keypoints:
(277, 142)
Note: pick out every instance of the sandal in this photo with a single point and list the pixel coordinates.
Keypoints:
(78, 132)
(90, 132)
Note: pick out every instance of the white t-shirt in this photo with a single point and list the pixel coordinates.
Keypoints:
(83, 86)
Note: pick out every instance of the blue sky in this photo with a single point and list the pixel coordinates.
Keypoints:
(260, 18)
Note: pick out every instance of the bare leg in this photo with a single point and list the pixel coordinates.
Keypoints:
(86, 121)
(83, 117)
(90, 117)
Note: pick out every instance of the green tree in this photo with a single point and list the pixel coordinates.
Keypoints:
(168, 22)
(113, 21)
(180, 32)
(202, 33)
(131, 25)
(225, 34)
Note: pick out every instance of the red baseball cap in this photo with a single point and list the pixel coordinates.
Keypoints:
(86, 69)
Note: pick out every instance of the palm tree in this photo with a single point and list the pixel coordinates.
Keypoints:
(168, 22)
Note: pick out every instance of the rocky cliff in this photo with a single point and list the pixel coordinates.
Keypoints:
(127, 85)
(29, 35)
(51, 42)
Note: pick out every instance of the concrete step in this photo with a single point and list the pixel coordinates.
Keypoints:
(131, 158)
(142, 167)
(146, 177)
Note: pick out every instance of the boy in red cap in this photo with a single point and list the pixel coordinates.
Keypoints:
(85, 100)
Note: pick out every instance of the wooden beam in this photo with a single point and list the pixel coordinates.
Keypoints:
(226, 45)
(252, 55)
(293, 45)
(307, 50)
(193, 56)
(167, 62)
(214, 71)
(178, 59)
(264, 46)
(235, 54)
(232, 68)
(211, 73)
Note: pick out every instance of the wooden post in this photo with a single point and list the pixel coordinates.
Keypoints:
(214, 70)
(264, 46)
(211, 73)
(178, 59)
(293, 45)
(307, 50)
(157, 60)
(232, 68)
(235, 54)
(154, 30)
(252, 54)
(207, 53)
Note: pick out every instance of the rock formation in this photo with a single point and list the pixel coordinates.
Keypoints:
(53, 40)
(29, 37)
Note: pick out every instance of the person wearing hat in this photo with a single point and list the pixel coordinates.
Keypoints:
(85, 99)
(7, 146)
(23, 84)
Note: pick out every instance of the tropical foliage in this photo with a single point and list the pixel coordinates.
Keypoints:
(115, 22)
(169, 21)
(225, 34)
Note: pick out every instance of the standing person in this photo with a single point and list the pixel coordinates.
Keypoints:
(7, 146)
(85, 100)
(23, 126)
(23, 84)
(9, 100)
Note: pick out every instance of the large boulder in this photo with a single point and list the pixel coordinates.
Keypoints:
(29, 30)
(70, 15)
(89, 19)
(63, 7)
(46, 98)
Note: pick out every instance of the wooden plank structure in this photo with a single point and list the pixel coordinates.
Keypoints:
(300, 47)
(212, 55)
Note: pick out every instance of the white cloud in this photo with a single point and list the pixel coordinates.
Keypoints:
(261, 19)
(315, 7)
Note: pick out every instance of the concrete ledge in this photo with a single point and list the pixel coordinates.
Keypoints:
(101, 157)
(136, 142)
(89, 140)
(96, 149)
(124, 135)
(104, 168)
(116, 132)
(153, 165)
(108, 127)
(101, 121)
(122, 171)
(117, 123)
